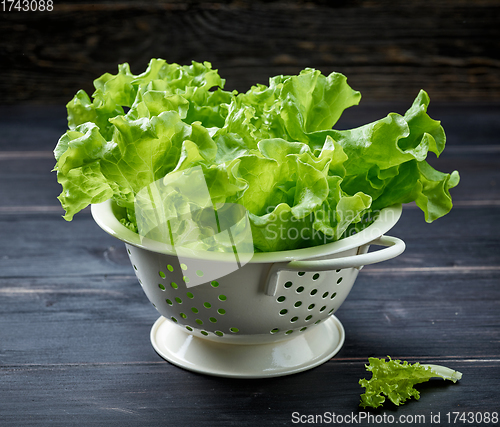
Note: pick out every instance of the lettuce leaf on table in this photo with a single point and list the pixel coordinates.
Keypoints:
(272, 149)
(395, 380)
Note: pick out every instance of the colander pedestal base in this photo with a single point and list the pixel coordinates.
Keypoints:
(295, 354)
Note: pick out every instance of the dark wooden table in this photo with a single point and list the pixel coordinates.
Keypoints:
(74, 323)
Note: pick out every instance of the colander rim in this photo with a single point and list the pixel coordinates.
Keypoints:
(104, 215)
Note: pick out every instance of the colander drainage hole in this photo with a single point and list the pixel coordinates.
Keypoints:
(207, 305)
(301, 273)
(333, 295)
(234, 330)
(186, 279)
(311, 306)
(294, 319)
(325, 295)
(322, 309)
(161, 286)
(128, 250)
(339, 280)
(289, 332)
(174, 285)
(298, 304)
(179, 301)
(184, 266)
(214, 283)
(219, 333)
(222, 298)
(314, 292)
(337, 271)
(170, 268)
(168, 302)
(283, 312)
(204, 333)
(199, 321)
(300, 289)
(213, 319)
(303, 329)
(281, 298)
(331, 311)
(190, 295)
(183, 315)
(199, 273)
(309, 317)
(194, 310)
(162, 274)
(221, 311)
(275, 331)
(189, 328)
(135, 267)
(316, 276)
(288, 285)
(174, 319)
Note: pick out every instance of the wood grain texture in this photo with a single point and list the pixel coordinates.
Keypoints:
(74, 322)
(44, 245)
(159, 394)
(105, 319)
(388, 52)
(480, 178)
(38, 128)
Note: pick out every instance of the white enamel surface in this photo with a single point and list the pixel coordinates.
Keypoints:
(248, 361)
(238, 310)
(234, 326)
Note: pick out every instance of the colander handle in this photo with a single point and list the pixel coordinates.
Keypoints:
(394, 247)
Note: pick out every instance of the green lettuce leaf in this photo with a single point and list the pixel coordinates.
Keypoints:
(312, 102)
(395, 380)
(272, 149)
(386, 160)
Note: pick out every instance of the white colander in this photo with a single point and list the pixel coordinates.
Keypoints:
(271, 317)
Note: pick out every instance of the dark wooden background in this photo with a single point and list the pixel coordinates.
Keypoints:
(389, 50)
(74, 323)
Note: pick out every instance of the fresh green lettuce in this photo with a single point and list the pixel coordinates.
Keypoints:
(273, 150)
(395, 380)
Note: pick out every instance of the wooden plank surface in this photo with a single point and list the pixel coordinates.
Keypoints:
(74, 323)
(144, 394)
(151, 394)
(402, 313)
(388, 50)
